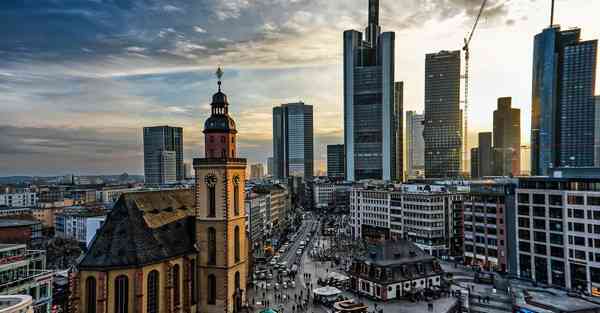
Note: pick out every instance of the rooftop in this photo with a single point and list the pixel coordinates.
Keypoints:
(394, 253)
(17, 223)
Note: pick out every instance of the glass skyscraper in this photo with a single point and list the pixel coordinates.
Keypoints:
(293, 141)
(563, 105)
(371, 111)
(163, 154)
(415, 146)
(335, 161)
(443, 117)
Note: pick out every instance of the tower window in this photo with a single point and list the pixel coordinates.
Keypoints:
(90, 294)
(193, 275)
(176, 286)
(152, 300)
(212, 246)
(236, 243)
(212, 289)
(122, 294)
(236, 196)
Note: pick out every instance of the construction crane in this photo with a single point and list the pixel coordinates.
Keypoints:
(465, 48)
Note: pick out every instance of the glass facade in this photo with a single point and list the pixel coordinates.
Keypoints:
(163, 149)
(293, 140)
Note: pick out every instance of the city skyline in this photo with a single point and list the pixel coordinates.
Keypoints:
(57, 119)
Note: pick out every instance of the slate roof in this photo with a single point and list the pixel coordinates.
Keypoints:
(392, 253)
(144, 228)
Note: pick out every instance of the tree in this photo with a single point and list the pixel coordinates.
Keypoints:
(62, 253)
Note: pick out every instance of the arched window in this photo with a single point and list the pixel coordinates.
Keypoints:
(90, 294)
(236, 198)
(212, 289)
(237, 280)
(121, 294)
(236, 243)
(176, 286)
(193, 275)
(211, 183)
(152, 294)
(212, 246)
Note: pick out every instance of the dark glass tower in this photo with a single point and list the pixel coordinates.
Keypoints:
(335, 161)
(562, 118)
(507, 139)
(443, 126)
(371, 117)
(293, 141)
(163, 154)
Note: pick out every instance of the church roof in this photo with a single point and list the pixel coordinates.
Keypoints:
(144, 228)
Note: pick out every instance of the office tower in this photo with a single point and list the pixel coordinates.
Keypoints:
(397, 150)
(270, 166)
(597, 133)
(257, 171)
(486, 153)
(187, 170)
(415, 146)
(563, 109)
(371, 120)
(475, 163)
(335, 161)
(507, 139)
(163, 154)
(293, 141)
(443, 125)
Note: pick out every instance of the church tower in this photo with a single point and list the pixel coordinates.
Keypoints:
(220, 213)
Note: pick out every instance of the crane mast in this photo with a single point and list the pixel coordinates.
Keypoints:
(465, 48)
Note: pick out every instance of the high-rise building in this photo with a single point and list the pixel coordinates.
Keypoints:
(270, 166)
(485, 158)
(507, 139)
(398, 147)
(293, 141)
(443, 126)
(257, 171)
(475, 163)
(371, 117)
(163, 154)
(597, 133)
(563, 106)
(335, 161)
(415, 146)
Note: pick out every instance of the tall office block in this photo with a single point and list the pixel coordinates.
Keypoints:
(507, 139)
(371, 120)
(443, 125)
(163, 154)
(335, 161)
(485, 158)
(270, 166)
(397, 151)
(563, 108)
(293, 141)
(475, 163)
(597, 133)
(415, 146)
(257, 171)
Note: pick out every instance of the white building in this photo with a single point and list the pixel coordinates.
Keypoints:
(111, 195)
(16, 304)
(19, 200)
(422, 214)
(79, 224)
(415, 145)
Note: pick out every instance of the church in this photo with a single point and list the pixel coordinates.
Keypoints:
(175, 250)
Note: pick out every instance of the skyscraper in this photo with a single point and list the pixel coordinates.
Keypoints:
(163, 154)
(443, 126)
(475, 163)
(257, 171)
(415, 146)
(563, 108)
(293, 141)
(485, 157)
(270, 166)
(335, 161)
(371, 117)
(507, 139)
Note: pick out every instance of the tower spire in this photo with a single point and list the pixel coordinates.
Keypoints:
(373, 29)
(552, 14)
(219, 74)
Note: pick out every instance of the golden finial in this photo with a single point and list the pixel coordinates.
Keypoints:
(219, 74)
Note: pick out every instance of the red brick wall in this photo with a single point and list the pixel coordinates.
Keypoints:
(15, 234)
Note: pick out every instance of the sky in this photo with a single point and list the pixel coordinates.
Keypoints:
(80, 78)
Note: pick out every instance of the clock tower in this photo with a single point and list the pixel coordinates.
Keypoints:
(220, 213)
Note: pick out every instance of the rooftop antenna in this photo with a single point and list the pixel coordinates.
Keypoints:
(552, 14)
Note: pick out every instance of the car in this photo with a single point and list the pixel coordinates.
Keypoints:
(273, 262)
(282, 250)
(299, 251)
(282, 265)
(293, 284)
(284, 285)
(270, 276)
(276, 286)
(268, 286)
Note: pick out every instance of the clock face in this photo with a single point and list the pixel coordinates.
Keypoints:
(210, 179)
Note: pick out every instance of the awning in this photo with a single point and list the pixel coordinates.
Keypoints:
(327, 291)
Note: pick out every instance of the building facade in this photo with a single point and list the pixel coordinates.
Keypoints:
(78, 224)
(563, 106)
(443, 119)
(507, 139)
(415, 146)
(257, 171)
(163, 154)
(25, 199)
(371, 111)
(485, 159)
(293, 141)
(336, 158)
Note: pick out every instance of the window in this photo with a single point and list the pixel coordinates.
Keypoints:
(176, 286)
(539, 199)
(212, 246)
(212, 289)
(237, 280)
(576, 200)
(594, 201)
(236, 243)
(122, 294)
(152, 299)
(523, 198)
(211, 183)
(236, 197)
(90, 294)
(193, 275)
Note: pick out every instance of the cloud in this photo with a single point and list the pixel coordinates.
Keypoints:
(199, 29)
(172, 9)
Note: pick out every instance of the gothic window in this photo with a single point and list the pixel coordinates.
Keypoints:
(193, 275)
(236, 243)
(152, 299)
(176, 286)
(90, 294)
(236, 195)
(121, 294)
(212, 289)
(237, 280)
(211, 182)
(212, 246)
